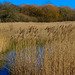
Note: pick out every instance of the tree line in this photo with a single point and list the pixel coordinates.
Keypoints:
(34, 13)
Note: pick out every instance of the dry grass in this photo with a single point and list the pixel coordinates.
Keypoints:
(58, 40)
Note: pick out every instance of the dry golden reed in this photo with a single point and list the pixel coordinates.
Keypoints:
(42, 48)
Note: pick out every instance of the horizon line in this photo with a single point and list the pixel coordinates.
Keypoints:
(37, 4)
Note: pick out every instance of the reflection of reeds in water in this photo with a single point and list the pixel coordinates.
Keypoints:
(59, 54)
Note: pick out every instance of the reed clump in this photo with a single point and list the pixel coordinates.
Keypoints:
(43, 50)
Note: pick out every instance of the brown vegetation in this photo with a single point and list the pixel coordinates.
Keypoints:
(58, 40)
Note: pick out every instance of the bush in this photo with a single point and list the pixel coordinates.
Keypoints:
(25, 18)
(0, 20)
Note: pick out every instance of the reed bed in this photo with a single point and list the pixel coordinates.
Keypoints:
(42, 49)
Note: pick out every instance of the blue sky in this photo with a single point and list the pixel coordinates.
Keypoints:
(70, 3)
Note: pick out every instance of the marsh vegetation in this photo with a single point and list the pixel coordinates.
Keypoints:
(39, 48)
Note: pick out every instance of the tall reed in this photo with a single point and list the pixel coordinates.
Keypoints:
(43, 50)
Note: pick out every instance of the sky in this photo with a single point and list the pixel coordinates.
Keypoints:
(70, 3)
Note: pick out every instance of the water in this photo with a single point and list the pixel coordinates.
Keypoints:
(4, 71)
(11, 55)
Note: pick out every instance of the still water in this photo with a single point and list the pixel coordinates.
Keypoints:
(5, 69)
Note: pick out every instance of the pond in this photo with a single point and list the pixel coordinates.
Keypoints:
(4, 69)
(8, 60)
